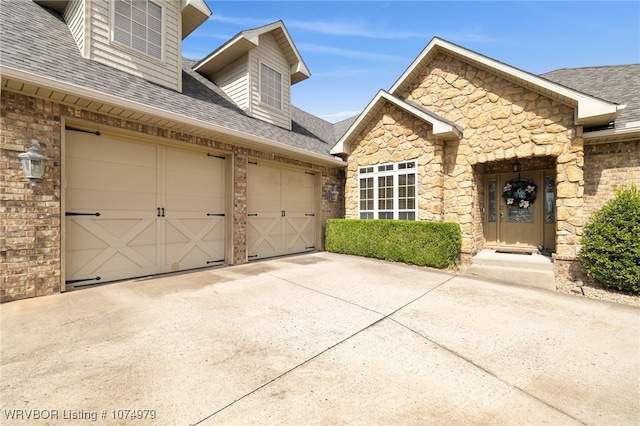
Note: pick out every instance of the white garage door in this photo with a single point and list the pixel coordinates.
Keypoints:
(135, 209)
(281, 211)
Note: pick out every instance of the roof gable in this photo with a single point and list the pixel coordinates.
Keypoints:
(247, 40)
(591, 111)
(442, 128)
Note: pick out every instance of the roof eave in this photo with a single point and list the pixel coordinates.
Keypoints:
(441, 129)
(194, 14)
(92, 95)
(591, 111)
(247, 40)
(627, 133)
(55, 5)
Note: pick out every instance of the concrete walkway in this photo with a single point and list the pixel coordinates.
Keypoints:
(319, 339)
(527, 269)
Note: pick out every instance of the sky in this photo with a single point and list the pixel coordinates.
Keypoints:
(355, 48)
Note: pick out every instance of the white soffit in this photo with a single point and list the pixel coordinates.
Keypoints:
(441, 128)
(194, 13)
(591, 111)
(51, 89)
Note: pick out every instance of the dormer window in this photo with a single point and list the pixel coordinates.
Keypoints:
(138, 24)
(270, 87)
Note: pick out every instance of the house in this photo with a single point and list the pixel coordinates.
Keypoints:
(155, 163)
(519, 161)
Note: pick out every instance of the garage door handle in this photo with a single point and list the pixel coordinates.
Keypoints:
(252, 214)
(215, 214)
(160, 211)
(81, 214)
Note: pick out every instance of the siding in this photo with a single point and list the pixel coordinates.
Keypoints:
(166, 72)
(269, 53)
(74, 16)
(234, 80)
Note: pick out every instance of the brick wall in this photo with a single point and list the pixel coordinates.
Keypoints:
(30, 217)
(608, 167)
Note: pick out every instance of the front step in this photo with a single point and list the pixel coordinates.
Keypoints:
(533, 270)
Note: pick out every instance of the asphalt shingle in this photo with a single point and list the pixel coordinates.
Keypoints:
(36, 40)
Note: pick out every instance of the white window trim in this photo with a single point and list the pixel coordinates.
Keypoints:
(281, 109)
(395, 173)
(130, 49)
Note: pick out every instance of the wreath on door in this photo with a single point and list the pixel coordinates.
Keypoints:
(520, 193)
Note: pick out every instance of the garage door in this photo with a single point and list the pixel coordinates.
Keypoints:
(136, 209)
(281, 211)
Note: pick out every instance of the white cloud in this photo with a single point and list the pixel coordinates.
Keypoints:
(347, 53)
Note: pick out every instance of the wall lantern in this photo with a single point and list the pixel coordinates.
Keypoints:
(33, 162)
(332, 194)
(516, 167)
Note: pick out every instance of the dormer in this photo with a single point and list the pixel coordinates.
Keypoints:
(141, 37)
(256, 69)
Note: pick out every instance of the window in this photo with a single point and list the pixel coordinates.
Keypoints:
(138, 25)
(270, 87)
(388, 191)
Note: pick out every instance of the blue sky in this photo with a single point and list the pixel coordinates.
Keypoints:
(355, 48)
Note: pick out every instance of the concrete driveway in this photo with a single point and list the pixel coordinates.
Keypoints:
(319, 339)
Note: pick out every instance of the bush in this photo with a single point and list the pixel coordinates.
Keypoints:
(611, 242)
(432, 244)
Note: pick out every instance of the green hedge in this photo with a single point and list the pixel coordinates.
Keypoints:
(611, 242)
(434, 244)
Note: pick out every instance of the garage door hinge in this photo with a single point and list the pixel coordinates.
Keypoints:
(214, 261)
(310, 247)
(253, 162)
(215, 214)
(309, 173)
(309, 214)
(216, 156)
(252, 214)
(252, 256)
(81, 214)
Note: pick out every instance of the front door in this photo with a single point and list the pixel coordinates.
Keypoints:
(514, 210)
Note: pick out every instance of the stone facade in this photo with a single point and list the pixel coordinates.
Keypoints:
(501, 121)
(30, 217)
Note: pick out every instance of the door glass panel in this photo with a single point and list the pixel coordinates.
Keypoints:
(549, 199)
(518, 214)
(492, 201)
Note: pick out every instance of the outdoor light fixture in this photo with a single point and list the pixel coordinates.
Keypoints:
(33, 162)
(332, 194)
(516, 166)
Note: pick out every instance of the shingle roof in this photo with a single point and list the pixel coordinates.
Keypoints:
(617, 83)
(36, 40)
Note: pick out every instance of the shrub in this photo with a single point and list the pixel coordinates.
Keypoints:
(434, 244)
(611, 242)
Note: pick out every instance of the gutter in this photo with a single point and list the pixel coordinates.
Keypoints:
(75, 90)
(629, 132)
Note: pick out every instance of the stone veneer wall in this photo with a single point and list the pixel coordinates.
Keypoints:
(30, 227)
(501, 121)
(399, 136)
